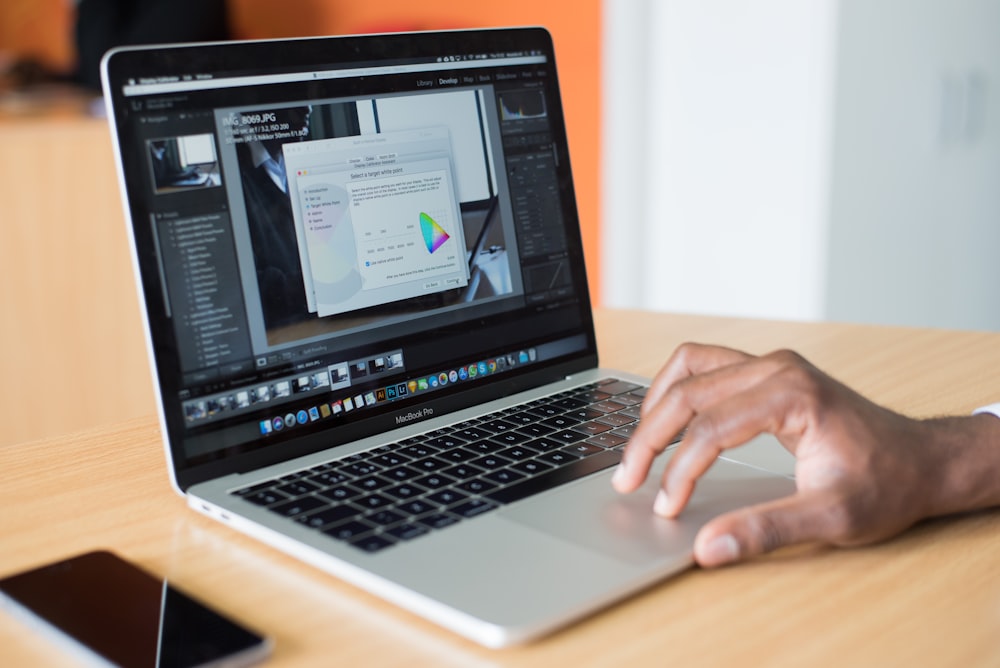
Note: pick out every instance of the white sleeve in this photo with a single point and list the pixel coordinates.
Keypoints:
(992, 409)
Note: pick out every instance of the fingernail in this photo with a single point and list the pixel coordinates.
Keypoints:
(661, 506)
(618, 479)
(721, 550)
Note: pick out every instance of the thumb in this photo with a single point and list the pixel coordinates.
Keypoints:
(763, 528)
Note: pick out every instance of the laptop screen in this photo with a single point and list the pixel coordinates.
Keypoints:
(339, 236)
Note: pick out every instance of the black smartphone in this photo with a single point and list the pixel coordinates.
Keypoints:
(114, 612)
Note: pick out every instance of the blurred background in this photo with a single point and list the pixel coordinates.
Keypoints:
(830, 159)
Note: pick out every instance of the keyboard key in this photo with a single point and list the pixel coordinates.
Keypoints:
(519, 452)
(607, 440)
(474, 507)
(419, 450)
(430, 464)
(521, 418)
(361, 468)
(446, 442)
(384, 518)
(615, 419)
(406, 531)
(341, 493)
(297, 488)
(626, 431)
(504, 476)
(266, 498)
(459, 455)
(537, 429)
(567, 436)
(417, 507)
(253, 489)
(609, 406)
(373, 501)
(299, 506)
(561, 421)
(484, 447)
(620, 387)
(373, 543)
(570, 403)
(446, 497)
(558, 457)
(511, 438)
(547, 410)
(477, 486)
(499, 426)
(370, 484)
(330, 515)
(438, 520)
(327, 478)
(593, 396)
(573, 471)
(463, 471)
(401, 473)
(404, 491)
(349, 530)
(390, 459)
(545, 444)
(491, 462)
(584, 449)
(434, 481)
(531, 466)
(472, 433)
(591, 428)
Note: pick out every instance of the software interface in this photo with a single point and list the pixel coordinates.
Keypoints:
(316, 242)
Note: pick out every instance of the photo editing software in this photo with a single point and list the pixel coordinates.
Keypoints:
(326, 248)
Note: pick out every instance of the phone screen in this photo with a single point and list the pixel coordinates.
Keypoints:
(128, 617)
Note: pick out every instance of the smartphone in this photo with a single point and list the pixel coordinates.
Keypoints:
(112, 612)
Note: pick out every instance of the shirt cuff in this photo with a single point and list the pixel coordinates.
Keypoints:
(992, 409)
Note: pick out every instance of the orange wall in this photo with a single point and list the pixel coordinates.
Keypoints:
(43, 28)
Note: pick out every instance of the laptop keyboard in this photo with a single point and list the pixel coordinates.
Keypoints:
(398, 492)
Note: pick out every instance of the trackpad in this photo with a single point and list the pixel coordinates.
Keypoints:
(591, 514)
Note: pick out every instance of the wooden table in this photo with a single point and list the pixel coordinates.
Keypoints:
(928, 598)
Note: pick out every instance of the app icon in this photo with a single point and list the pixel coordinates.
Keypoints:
(412, 385)
(337, 407)
(492, 366)
(390, 392)
(324, 410)
(473, 372)
(290, 420)
(433, 380)
(278, 423)
(482, 368)
(381, 394)
(348, 405)
(401, 389)
(302, 417)
(453, 376)
(463, 373)
(359, 401)
(265, 427)
(313, 414)
(443, 378)
(422, 384)
(370, 399)
(522, 357)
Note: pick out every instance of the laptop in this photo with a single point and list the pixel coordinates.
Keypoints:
(369, 325)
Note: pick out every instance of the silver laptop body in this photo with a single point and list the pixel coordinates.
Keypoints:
(368, 319)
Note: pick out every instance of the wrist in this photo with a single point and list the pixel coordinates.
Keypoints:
(966, 463)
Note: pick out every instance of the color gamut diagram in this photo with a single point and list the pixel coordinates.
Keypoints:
(434, 235)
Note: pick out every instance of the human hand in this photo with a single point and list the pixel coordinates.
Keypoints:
(863, 473)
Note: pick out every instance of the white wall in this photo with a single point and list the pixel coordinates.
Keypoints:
(833, 159)
(914, 234)
(717, 151)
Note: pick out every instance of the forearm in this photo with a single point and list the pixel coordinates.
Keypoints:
(968, 463)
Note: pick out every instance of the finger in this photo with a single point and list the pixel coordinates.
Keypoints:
(741, 534)
(689, 359)
(768, 407)
(678, 407)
